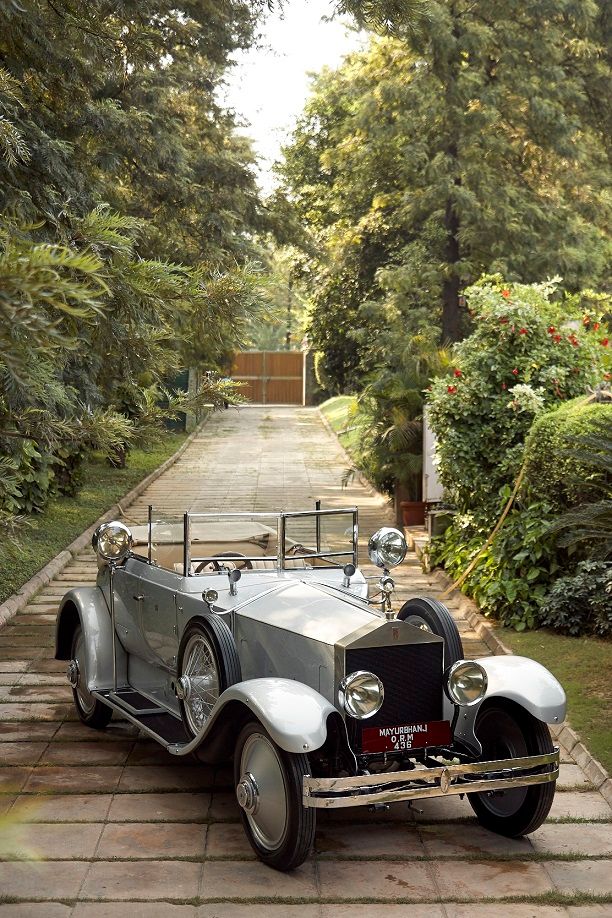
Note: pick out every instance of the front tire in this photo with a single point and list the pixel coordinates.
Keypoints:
(91, 711)
(431, 615)
(269, 781)
(505, 731)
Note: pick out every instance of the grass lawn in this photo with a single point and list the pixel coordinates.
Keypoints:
(582, 666)
(342, 416)
(65, 518)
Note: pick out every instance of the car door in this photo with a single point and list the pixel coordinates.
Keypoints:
(158, 616)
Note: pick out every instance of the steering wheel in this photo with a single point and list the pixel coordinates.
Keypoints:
(233, 555)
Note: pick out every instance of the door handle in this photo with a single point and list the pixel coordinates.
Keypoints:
(139, 597)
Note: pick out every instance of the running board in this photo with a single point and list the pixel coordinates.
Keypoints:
(157, 722)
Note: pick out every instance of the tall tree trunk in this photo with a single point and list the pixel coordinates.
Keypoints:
(451, 318)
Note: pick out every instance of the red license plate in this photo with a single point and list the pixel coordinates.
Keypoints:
(405, 736)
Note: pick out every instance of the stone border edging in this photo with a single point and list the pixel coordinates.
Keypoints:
(19, 600)
(592, 768)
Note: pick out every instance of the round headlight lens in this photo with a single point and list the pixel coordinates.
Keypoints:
(467, 682)
(112, 541)
(361, 694)
(387, 547)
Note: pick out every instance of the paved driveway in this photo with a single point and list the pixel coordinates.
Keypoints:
(105, 825)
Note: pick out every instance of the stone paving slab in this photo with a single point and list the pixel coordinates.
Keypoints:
(97, 820)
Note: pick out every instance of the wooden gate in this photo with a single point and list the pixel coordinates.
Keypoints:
(270, 377)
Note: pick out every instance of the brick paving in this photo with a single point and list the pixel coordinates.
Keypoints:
(106, 824)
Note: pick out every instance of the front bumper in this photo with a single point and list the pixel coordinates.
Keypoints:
(391, 787)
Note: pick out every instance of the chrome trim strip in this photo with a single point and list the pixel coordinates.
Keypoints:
(333, 793)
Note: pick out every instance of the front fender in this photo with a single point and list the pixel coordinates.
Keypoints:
(518, 679)
(527, 683)
(86, 606)
(294, 714)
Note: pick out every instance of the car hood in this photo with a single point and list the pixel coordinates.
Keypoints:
(316, 611)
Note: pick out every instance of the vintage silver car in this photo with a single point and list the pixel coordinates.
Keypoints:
(256, 635)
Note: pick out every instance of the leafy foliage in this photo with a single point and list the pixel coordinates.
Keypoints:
(528, 352)
(582, 602)
(128, 212)
(391, 417)
(568, 454)
(474, 143)
(514, 574)
(588, 525)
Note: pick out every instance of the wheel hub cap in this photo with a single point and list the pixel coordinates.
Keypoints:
(247, 793)
(72, 673)
(183, 688)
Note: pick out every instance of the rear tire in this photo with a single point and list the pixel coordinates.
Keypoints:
(93, 712)
(505, 731)
(431, 615)
(268, 781)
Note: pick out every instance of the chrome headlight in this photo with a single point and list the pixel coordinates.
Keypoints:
(387, 547)
(112, 541)
(466, 682)
(361, 694)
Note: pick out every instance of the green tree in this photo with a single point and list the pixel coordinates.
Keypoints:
(129, 212)
(460, 148)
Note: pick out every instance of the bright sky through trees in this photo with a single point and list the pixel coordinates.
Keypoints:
(270, 83)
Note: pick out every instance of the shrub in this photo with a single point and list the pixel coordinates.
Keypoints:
(553, 471)
(581, 603)
(527, 353)
(514, 573)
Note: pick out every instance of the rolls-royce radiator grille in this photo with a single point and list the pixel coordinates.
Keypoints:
(412, 678)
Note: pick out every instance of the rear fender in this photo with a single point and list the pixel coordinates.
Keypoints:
(86, 606)
(517, 679)
(294, 715)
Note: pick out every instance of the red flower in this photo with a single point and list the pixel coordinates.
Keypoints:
(503, 321)
(605, 342)
(457, 374)
(451, 389)
(556, 338)
(551, 329)
(504, 386)
(515, 372)
(505, 293)
(595, 326)
(522, 331)
(573, 340)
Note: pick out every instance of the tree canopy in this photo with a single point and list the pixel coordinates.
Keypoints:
(476, 142)
(128, 214)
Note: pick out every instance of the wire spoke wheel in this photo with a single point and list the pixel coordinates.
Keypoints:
(201, 677)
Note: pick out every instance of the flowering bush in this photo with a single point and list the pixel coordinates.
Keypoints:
(527, 352)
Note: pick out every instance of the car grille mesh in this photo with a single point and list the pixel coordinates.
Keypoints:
(412, 678)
